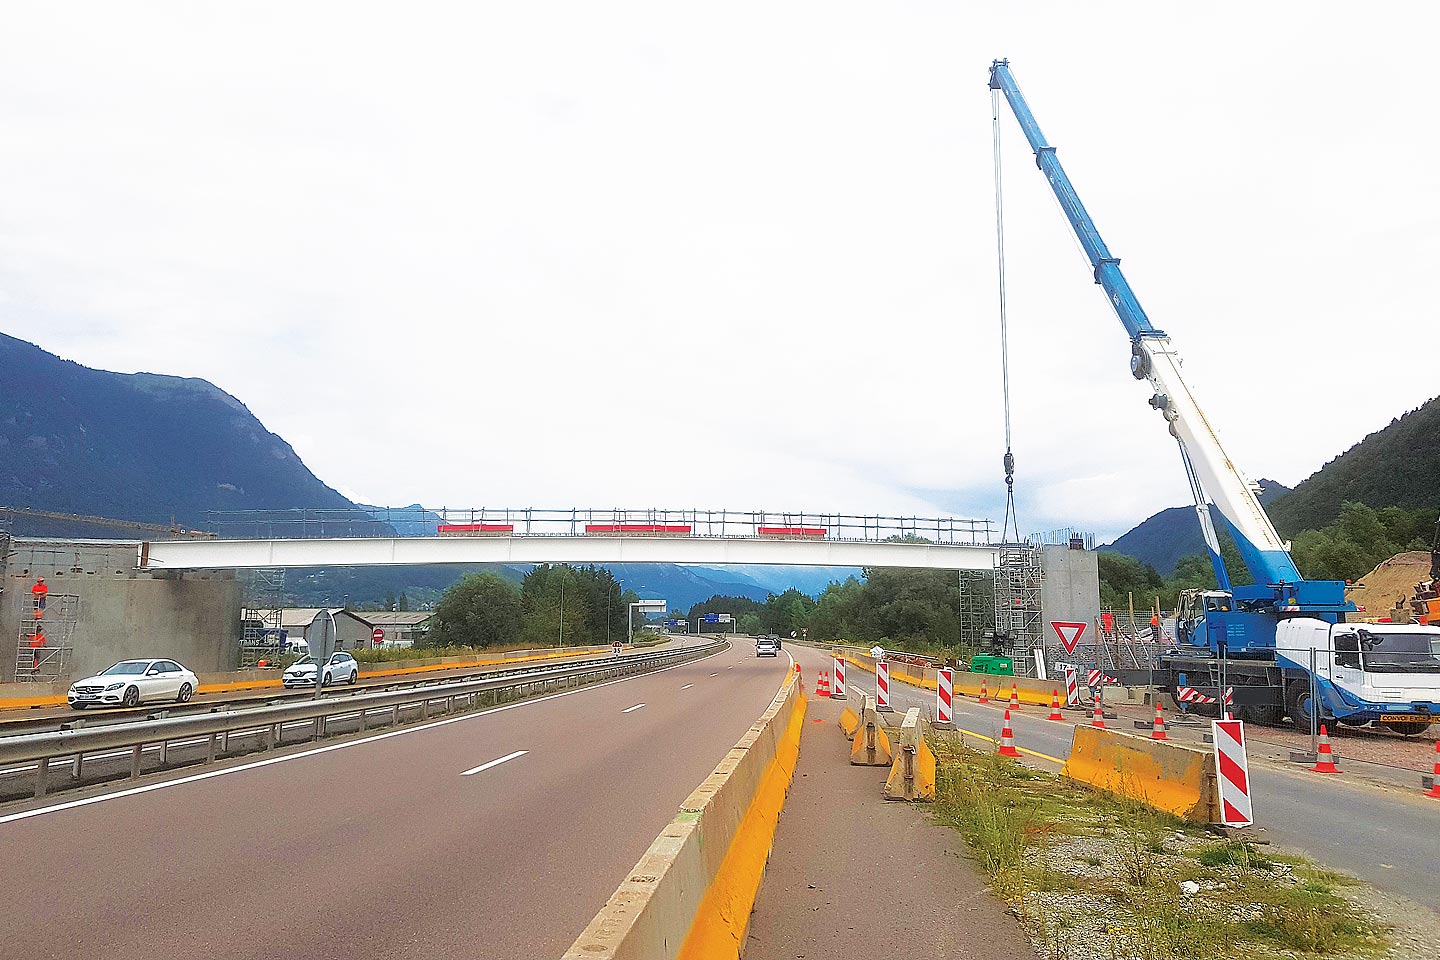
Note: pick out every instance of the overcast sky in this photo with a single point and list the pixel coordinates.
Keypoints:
(730, 255)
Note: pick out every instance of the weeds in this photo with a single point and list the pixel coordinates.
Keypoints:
(1058, 851)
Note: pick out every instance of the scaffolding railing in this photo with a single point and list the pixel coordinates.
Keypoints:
(574, 521)
(45, 648)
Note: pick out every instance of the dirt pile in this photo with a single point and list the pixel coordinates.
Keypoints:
(1377, 591)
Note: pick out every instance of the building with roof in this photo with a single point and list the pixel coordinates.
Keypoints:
(403, 628)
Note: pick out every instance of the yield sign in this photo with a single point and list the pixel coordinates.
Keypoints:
(1069, 633)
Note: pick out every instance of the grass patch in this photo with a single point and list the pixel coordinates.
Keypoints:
(1054, 849)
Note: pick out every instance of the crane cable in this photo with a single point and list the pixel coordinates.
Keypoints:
(1012, 520)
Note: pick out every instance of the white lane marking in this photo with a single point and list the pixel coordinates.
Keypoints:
(494, 763)
(714, 674)
(687, 686)
(209, 774)
(731, 667)
(632, 709)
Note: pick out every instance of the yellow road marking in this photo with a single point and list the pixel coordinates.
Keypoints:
(1033, 753)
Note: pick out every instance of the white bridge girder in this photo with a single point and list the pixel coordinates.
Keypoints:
(179, 555)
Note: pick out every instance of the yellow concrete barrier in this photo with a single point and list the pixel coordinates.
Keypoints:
(1162, 774)
(872, 745)
(912, 777)
(691, 894)
(849, 722)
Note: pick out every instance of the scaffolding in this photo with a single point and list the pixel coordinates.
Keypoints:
(260, 632)
(46, 644)
(1019, 621)
(977, 609)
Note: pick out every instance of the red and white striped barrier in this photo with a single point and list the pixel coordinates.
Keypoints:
(1094, 678)
(838, 692)
(1072, 687)
(1191, 695)
(1233, 771)
(882, 687)
(944, 692)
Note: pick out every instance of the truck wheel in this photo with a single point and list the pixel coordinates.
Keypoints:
(1271, 715)
(1298, 704)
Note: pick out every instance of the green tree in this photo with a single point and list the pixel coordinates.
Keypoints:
(556, 607)
(480, 610)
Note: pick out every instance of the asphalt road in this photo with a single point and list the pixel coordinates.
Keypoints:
(1388, 836)
(491, 834)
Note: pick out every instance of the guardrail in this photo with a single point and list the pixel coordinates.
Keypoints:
(216, 729)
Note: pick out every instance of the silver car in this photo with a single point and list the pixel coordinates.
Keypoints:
(130, 683)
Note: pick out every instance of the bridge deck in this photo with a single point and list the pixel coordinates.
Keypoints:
(393, 551)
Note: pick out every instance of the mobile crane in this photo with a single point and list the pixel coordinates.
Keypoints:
(1281, 642)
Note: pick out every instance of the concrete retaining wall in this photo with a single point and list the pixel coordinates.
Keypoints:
(121, 613)
(691, 894)
(1167, 776)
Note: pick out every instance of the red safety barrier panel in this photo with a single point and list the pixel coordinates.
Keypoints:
(636, 528)
(792, 531)
(459, 528)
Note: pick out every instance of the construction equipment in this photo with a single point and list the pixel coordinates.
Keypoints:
(1385, 673)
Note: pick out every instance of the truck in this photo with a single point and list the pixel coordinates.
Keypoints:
(1278, 646)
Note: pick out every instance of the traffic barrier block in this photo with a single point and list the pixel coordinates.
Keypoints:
(849, 722)
(912, 775)
(1164, 774)
(871, 747)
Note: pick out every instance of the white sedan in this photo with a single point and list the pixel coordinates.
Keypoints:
(301, 673)
(132, 682)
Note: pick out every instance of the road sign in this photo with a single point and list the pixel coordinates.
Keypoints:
(1233, 771)
(712, 618)
(618, 646)
(1069, 633)
(724, 617)
(378, 635)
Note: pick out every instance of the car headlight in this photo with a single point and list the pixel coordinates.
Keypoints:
(116, 686)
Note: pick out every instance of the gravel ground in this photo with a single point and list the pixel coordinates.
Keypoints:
(1098, 919)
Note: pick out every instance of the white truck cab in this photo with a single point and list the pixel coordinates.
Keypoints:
(1387, 673)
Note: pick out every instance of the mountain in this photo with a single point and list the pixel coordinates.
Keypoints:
(1398, 466)
(1174, 532)
(139, 446)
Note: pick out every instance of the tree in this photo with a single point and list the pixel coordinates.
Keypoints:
(481, 610)
(556, 606)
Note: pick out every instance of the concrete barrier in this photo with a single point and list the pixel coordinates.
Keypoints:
(691, 894)
(1163, 774)
(23, 695)
(912, 777)
(871, 746)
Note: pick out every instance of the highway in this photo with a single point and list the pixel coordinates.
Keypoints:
(1387, 836)
(498, 833)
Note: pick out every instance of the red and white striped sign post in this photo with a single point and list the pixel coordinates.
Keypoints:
(882, 687)
(1233, 772)
(1072, 686)
(944, 691)
(837, 692)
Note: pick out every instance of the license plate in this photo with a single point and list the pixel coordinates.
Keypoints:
(1402, 718)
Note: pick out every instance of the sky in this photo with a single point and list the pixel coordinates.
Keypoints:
(730, 256)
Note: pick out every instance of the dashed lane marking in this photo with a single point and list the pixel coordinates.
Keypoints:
(494, 763)
(632, 709)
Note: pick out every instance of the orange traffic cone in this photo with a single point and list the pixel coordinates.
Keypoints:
(1434, 790)
(984, 697)
(822, 686)
(1014, 698)
(1099, 719)
(1007, 739)
(1158, 731)
(1326, 761)
(1055, 713)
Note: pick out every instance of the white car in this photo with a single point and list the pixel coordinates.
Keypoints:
(132, 682)
(765, 647)
(301, 673)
